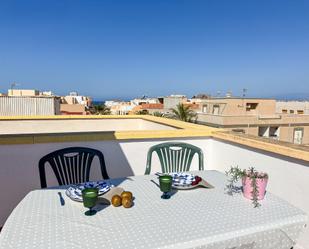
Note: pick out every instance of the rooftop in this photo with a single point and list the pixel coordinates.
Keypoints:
(20, 151)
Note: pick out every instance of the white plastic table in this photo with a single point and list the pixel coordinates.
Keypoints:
(199, 218)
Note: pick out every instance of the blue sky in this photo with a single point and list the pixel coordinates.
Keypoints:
(129, 48)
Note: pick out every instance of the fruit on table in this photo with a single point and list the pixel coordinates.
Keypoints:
(116, 201)
(127, 202)
(127, 194)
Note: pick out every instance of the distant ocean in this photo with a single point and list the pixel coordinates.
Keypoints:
(293, 96)
(102, 101)
(286, 97)
(98, 102)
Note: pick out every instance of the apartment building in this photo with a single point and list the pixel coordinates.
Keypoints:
(121, 108)
(164, 105)
(110, 103)
(254, 116)
(172, 101)
(292, 107)
(144, 100)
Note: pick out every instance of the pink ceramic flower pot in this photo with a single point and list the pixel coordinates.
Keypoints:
(247, 187)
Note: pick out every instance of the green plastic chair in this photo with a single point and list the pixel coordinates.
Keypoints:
(175, 157)
(71, 165)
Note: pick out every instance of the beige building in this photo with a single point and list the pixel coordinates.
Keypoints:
(148, 108)
(75, 104)
(256, 117)
(28, 93)
(23, 92)
(172, 101)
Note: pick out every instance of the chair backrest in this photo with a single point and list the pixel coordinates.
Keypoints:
(71, 165)
(174, 157)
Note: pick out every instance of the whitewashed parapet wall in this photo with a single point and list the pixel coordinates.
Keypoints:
(288, 178)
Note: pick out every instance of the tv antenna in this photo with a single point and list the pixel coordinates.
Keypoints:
(244, 91)
(14, 84)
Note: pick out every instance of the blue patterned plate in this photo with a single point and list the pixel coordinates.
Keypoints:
(182, 180)
(75, 191)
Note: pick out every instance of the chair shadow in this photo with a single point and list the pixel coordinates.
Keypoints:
(117, 181)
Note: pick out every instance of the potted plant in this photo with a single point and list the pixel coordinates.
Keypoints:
(253, 183)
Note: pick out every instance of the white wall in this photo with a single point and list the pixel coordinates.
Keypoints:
(292, 105)
(29, 106)
(287, 179)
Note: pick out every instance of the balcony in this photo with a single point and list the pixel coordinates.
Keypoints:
(125, 141)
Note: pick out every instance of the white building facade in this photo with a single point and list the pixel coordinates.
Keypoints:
(29, 106)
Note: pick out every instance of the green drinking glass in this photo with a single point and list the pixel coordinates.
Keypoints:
(90, 197)
(165, 185)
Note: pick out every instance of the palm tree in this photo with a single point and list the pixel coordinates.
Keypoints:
(157, 114)
(184, 113)
(142, 112)
(100, 110)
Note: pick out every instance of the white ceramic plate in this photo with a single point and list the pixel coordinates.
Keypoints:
(75, 191)
(182, 180)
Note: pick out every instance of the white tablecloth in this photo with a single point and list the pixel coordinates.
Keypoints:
(200, 218)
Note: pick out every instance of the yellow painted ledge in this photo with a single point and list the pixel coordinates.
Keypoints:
(184, 130)
(100, 136)
(256, 143)
(61, 117)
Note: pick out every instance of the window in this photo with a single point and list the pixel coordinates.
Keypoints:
(263, 131)
(284, 111)
(298, 135)
(204, 108)
(251, 106)
(291, 111)
(270, 132)
(300, 111)
(215, 109)
(274, 132)
(239, 131)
